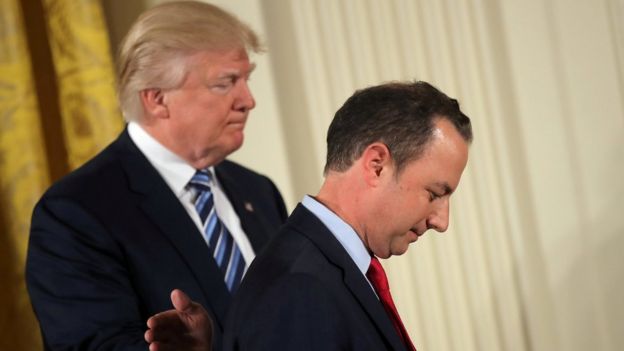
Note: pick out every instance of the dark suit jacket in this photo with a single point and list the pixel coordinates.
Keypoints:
(110, 241)
(304, 292)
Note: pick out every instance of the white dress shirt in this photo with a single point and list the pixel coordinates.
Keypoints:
(177, 173)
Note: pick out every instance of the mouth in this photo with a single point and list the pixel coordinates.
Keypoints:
(239, 119)
(415, 234)
(237, 124)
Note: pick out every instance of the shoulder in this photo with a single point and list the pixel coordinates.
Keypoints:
(286, 293)
(235, 170)
(242, 182)
(291, 263)
(289, 278)
(100, 168)
(103, 183)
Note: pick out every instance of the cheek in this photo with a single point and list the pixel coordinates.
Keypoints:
(399, 244)
(209, 118)
(210, 106)
(420, 205)
(199, 130)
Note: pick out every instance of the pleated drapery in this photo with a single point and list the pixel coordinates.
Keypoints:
(57, 109)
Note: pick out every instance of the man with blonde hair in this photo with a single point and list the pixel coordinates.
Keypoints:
(160, 208)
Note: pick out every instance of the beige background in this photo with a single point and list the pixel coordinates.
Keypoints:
(533, 258)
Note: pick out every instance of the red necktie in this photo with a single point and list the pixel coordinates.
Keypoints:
(377, 276)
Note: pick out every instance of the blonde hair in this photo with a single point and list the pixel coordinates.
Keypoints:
(154, 53)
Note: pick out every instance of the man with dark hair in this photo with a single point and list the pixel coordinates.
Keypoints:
(386, 113)
(160, 208)
(396, 153)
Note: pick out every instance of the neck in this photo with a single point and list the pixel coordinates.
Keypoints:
(339, 194)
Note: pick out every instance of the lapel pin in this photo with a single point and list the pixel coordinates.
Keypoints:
(249, 206)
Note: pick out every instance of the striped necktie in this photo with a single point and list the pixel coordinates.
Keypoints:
(221, 243)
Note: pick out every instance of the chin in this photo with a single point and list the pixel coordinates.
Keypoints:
(401, 250)
(231, 145)
(236, 142)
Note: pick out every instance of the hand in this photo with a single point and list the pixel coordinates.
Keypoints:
(186, 327)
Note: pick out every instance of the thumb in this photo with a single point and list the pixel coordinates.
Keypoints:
(181, 302)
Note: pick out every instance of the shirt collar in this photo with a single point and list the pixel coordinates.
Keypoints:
(343, 232)
(175, 170)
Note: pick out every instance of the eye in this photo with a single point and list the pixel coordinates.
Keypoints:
(433, 196)
(221, 87)
(224, 85)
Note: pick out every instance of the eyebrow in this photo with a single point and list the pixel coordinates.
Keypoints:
(252, 67)
(235, 73)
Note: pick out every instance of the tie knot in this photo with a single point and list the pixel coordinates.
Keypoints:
(201, 180)
(377, 275)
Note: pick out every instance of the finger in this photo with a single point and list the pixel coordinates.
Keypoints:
(169, 318)
(181, 302)
(165, 326)
(166, 335)
(168, 332)
(189, 310)
(149, 336)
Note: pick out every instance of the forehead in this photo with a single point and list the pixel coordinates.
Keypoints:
(217, 60)
(444, 158)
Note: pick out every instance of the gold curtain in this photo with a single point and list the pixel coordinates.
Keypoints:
(57, 109)
(84, 70)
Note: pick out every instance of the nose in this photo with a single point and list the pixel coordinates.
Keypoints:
(245, 100)
(438, 220)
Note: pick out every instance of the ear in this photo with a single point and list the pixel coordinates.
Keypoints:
(376, 162)
(154, 103)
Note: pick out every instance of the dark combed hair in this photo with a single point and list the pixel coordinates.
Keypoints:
(399, 114)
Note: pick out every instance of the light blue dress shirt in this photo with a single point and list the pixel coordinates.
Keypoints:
(343, 232)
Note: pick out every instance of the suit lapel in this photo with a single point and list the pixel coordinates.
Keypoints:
(254, 226)
(364, 294)
(163, 208)
(315, 230)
